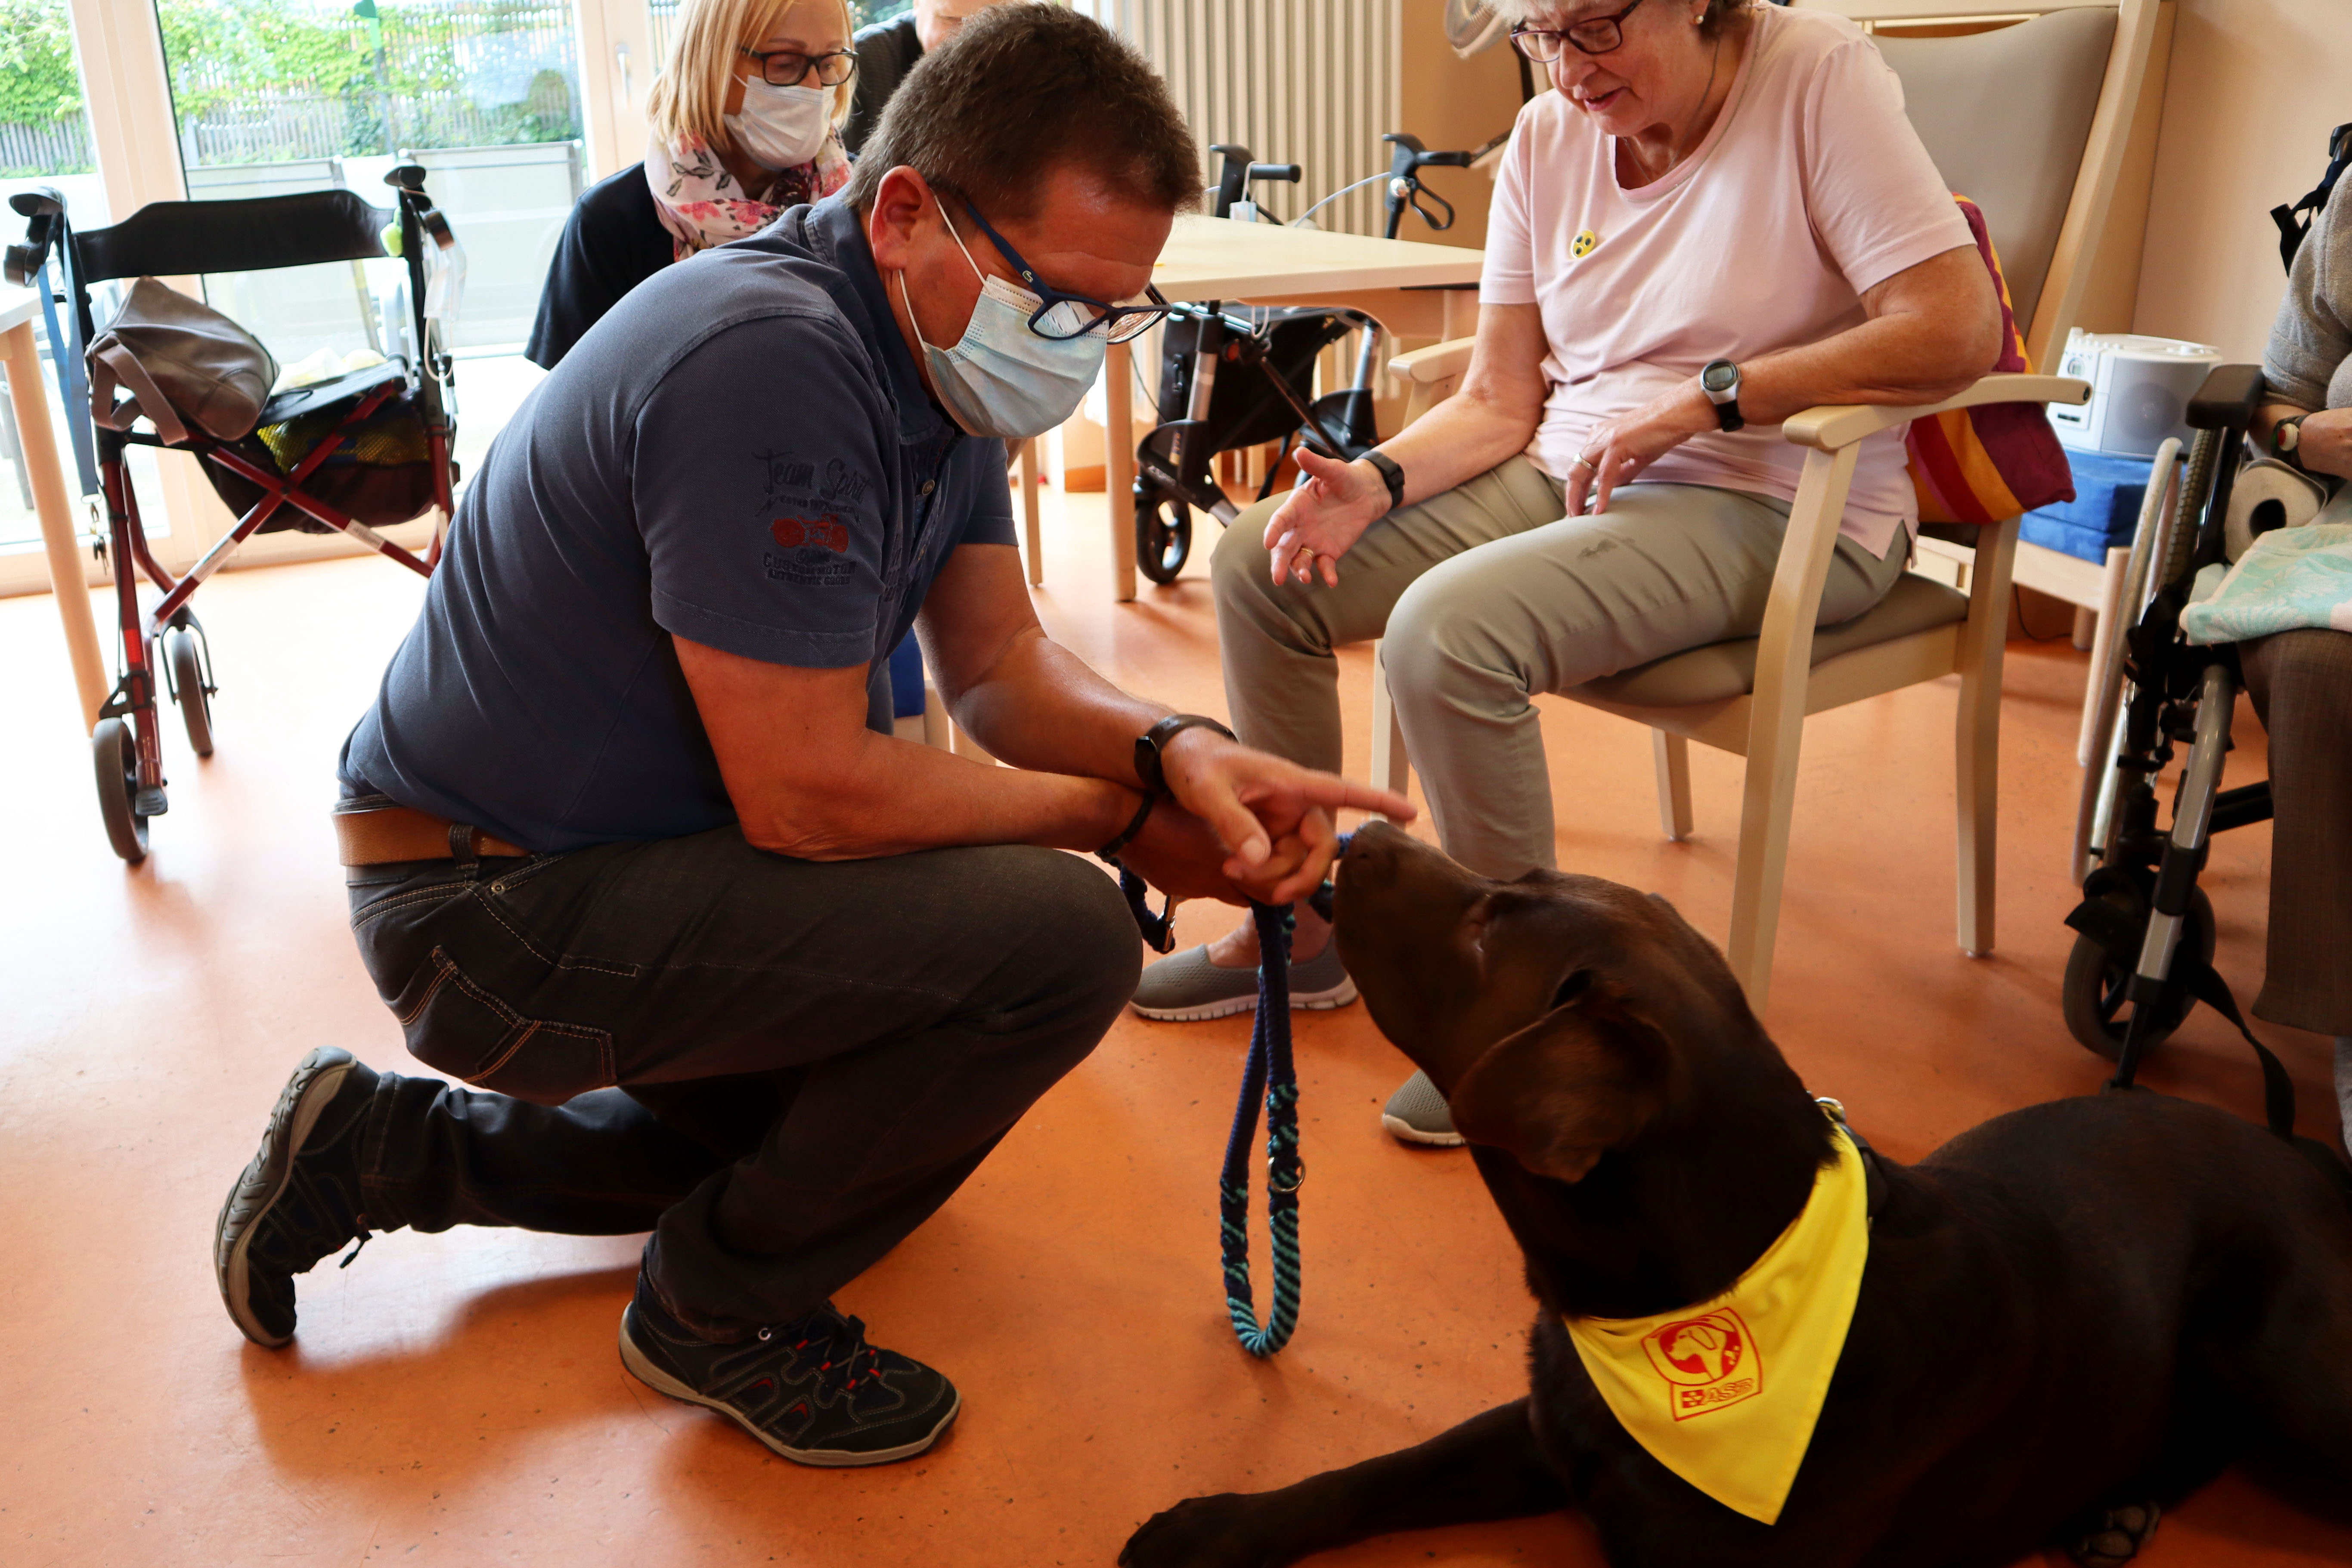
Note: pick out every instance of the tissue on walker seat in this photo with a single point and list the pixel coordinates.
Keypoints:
(2291, 578)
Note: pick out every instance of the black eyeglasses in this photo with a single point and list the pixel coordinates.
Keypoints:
(1596, 36)
(1061, 315)
(789, 67)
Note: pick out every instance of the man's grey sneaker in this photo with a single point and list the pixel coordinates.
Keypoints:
(1185, 987)
(298, 1199)
(814, 1390)
(1417, 1113)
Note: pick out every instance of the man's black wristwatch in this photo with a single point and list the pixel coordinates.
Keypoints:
(1392, 475)
(1720, 381)
(1148, 746)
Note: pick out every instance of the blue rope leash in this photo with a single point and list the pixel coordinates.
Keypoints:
(1268, 1071)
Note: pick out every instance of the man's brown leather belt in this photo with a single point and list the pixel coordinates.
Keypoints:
(397, 832)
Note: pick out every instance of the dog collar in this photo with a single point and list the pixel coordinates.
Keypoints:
(1725, 1393)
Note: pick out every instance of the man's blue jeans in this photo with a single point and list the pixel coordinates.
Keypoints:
(781, 1068)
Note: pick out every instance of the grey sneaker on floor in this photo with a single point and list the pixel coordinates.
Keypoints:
(1186, 988)
(1417, 1113)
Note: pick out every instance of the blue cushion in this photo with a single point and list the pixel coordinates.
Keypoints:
(2103, 512)
(907, 678)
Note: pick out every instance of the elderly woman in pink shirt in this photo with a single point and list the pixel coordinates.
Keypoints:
(1717, 217)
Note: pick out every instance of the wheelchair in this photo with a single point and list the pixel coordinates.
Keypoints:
(1207, 401)
(2143, 954)
(364, 450)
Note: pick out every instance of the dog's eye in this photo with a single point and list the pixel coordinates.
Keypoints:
(1572, 988)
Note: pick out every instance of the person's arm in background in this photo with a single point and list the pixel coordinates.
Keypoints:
(1932, 330)
(2311, 340)
(1491, 417)
(887, 51)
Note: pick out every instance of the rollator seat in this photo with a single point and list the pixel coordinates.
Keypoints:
(295, 401)
(1723, 670)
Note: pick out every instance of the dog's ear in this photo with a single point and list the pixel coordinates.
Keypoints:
(1579, 1082)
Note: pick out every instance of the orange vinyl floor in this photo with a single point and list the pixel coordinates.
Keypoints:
(457, 1398)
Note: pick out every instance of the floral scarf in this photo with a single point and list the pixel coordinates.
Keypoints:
(701, 206)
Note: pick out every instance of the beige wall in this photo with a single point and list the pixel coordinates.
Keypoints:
(2253, 88)
(1450, 103)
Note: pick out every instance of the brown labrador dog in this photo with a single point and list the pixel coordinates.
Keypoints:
(2068, 1315)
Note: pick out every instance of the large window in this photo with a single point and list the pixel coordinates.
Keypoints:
(44, 141)
(277, 80)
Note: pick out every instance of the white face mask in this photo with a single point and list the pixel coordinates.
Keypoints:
(780, 127)
(1001, 379)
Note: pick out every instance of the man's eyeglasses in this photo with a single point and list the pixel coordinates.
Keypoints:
(1596, 36)
(789, 67)
(1061, 315)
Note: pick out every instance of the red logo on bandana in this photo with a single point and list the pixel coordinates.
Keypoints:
(1709, 1361)
(826, 533)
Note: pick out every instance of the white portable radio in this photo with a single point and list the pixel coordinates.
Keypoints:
(2140, 388)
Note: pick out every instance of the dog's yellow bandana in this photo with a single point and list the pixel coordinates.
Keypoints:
(1725, 1393)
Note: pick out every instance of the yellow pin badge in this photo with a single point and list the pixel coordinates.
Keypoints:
(1583, 243)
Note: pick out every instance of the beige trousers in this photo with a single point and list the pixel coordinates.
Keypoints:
(1487, 594)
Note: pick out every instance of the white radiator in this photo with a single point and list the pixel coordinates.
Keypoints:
(1311, 82)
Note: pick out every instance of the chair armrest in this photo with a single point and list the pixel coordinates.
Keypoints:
(1837, 424)
(1439, 362)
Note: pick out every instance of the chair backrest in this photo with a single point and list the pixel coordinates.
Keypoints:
(165, 239)
(2005, 115)
(2029, 120)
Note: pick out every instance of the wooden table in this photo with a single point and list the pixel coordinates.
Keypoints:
(20, 311)
(1411, 289)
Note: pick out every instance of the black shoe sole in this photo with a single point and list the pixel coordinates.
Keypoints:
(306, 1093)
(641, 1367)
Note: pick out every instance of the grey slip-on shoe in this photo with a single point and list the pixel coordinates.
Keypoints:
(1186, 988)
(1417, 1113)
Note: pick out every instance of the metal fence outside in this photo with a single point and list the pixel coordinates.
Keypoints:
(469, 73)
(58, 147)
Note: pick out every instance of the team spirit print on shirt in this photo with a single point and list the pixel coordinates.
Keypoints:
(802, 502)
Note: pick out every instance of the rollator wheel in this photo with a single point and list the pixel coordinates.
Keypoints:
(116, 755)
(2092, 996)
(1164, 534)
(180, 657)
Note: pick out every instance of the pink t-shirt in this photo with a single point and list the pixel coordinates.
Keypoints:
(1811, 188)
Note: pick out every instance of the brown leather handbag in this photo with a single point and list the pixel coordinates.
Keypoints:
(183, 362)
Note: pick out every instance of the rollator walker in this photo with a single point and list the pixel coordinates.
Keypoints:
(1208, 402)
(338, 456)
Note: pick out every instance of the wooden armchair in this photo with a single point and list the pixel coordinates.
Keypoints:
(1751, 696)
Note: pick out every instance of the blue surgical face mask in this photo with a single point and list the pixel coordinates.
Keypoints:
(1001, 379)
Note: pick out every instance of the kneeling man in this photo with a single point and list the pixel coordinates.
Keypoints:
(631, 849)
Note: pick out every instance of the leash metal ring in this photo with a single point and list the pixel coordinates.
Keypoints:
(1274, 1183)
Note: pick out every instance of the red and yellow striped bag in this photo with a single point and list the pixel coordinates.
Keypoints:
(1998, 460)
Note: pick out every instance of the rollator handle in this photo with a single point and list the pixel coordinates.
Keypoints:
(1238, 171)
(24, 262)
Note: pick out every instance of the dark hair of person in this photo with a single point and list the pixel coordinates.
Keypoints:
(1019, 89)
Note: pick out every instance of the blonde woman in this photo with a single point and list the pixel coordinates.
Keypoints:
(746, 120)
